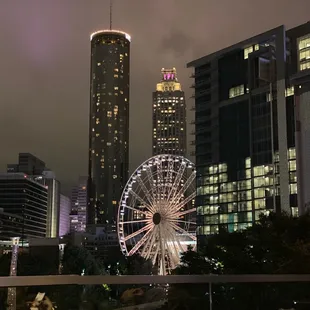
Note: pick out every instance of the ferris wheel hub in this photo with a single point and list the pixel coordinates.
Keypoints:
(156, 218)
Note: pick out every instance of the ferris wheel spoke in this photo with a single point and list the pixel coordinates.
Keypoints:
(151, 180)
(183, 203)
(170, 171)
(138, 232)
(178, 196)
(135, 222)
(178, 228)
(146, 192)
(181, 221)
(192, 210)
(177, 181)
(175, 247)
(139, 243)
(149, 244)
(141, 200)
(176, 241)
(170, 261)
(155, 256)
(160, 178)
(146, 213)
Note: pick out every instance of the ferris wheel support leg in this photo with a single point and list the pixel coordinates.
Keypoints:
(162, 252)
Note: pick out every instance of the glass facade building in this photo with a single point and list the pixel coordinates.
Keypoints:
(23, 197)
(169, 116)
(108, 124)
(245, 129)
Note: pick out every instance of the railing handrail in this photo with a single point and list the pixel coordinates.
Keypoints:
(147, 279)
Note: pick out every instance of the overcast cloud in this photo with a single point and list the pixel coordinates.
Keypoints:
(45, 57)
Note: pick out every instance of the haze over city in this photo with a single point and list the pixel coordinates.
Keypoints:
(45, 59)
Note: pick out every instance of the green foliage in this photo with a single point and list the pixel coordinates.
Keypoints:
(136, 265)
(277, 244)
(77, 260)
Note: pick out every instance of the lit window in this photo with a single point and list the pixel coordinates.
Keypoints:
(248, 51)
(304, 42)
(304, 52)
(289, 91)
(236, 91)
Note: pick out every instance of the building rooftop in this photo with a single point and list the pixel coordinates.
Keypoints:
(110, 31)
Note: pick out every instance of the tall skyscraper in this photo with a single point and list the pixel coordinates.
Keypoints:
(108, 124)
(79, 206)
(245, 129)
(169, 116)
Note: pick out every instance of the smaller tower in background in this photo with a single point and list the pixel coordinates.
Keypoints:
(78, 206)
(169, 116)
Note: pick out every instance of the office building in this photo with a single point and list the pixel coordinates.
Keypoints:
(245, 129)
(10, 225)
(64, 215)
(28, 164)
(109, 124)
(36, 170)
(49, 181)
(26, 199)
(169, 116)
(78, 211)
(103, 243)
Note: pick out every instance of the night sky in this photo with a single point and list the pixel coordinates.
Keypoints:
(45, 58)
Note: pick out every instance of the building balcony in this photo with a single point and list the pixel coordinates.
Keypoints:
(193, 108)
(199, 73)
(200, 83)
(199, 94)
(200, 120)
(193, 142)
(204, 141)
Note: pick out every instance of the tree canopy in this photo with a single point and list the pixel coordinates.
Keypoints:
(276, 244)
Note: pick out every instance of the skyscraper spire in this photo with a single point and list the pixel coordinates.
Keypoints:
(111, 7)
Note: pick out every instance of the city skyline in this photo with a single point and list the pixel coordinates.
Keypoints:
(52, 74)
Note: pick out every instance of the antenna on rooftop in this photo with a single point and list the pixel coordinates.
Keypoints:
(111, 6)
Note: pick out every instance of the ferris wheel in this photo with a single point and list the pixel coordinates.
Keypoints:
(156, 215)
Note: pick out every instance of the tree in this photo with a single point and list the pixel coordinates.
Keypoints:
(78, 261)
(276, 244)
(136, 265)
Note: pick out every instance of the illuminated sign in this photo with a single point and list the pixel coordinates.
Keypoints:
(169, 76)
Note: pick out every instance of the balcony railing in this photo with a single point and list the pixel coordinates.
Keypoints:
(214, 292)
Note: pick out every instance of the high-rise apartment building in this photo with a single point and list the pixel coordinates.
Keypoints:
(108, 124)
(78, 214)
(169, 116)
(245, 128)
